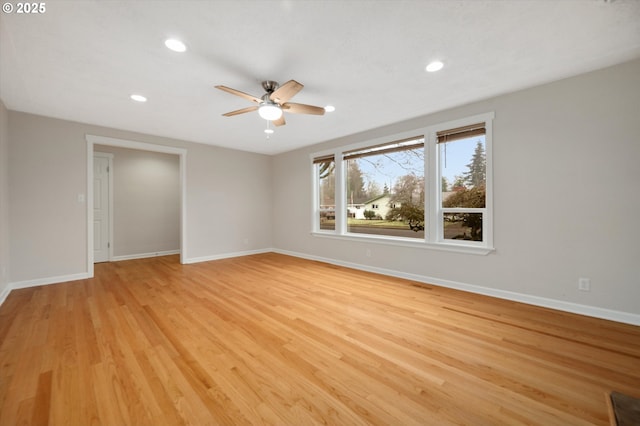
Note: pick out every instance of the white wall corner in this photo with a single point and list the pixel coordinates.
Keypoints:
(5, 294)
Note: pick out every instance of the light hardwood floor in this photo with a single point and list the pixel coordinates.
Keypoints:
(272, 339)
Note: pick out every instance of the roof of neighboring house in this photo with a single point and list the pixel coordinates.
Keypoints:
(378, 198)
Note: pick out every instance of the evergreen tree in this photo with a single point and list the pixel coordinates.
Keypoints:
(355, 183)
(327, 182)
(445, 184)
(328, 189)
(477, 174)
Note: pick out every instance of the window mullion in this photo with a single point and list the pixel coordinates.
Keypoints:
(487, 220)
(432, 173)
(315, 193)
(340, 195)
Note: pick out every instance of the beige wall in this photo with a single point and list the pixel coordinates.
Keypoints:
(4, 202)
(146, 201)
(48, 171)
(566, 198)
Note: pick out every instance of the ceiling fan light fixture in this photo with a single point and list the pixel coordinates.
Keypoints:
(270, 111)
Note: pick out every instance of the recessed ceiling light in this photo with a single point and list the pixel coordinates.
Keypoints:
(138, 98)
(329, 108)
(175, 45)
(434, 66)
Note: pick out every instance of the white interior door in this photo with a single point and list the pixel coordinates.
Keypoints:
(101, 243)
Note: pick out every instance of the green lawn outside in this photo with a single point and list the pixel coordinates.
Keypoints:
(372, 223)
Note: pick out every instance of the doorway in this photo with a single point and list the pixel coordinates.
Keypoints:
(123, 143)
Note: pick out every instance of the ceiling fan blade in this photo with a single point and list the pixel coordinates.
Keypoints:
(302, 109)
(241, 111)
(239, 93)
(285, 92)
(279, 122)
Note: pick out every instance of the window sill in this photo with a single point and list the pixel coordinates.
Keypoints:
(408, 242)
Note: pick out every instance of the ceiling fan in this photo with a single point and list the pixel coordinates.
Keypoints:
(274, 102)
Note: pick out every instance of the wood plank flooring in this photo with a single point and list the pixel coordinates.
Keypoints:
(272, 339)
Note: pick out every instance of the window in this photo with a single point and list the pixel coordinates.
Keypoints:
(324, 170)
(462, 203)
(389, 180)
(430, 189)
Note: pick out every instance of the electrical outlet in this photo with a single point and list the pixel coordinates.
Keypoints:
(368, 252)
(584, 284)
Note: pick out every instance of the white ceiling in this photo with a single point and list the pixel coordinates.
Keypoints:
(81, 60)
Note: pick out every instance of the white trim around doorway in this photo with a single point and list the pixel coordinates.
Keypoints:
(143, 146)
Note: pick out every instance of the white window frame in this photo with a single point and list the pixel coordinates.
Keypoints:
(434, 212)
(315, 193)
(436, 230)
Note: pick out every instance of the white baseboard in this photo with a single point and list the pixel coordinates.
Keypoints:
(591, 311)
(48, 280)
(4, 294)
(85, 275)
(226, 255)
(144, 255)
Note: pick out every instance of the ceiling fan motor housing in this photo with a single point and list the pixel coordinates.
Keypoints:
(270, 86)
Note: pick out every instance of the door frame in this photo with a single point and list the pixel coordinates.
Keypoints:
(142, 146)
(108, 156)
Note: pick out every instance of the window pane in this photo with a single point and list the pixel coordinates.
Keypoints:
(327, 194)
(463, 226)
(385, 190)
(463, 172)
